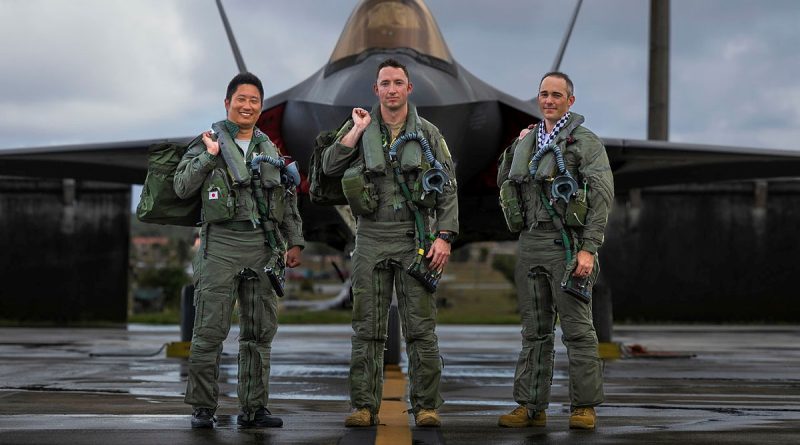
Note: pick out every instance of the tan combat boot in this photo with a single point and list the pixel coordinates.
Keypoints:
(582, 419)
(427, 418)
(519, 418)
(361, 417)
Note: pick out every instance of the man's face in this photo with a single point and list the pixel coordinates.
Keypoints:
(244, 106)
(554, 98)
(392, 88)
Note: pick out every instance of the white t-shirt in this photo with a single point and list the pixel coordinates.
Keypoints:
(243, 145)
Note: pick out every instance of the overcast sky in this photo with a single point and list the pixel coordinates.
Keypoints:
(109, 70)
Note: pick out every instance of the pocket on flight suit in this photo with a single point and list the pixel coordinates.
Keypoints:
(366, 300)
(527, 367)
(268, 319)
(528, 311)
(571, 160)
(361, 375)
(428, 372)
(359, 305)
(219, 199)
(209, 317)
(420, 304)
(277, 203)
(537, 290)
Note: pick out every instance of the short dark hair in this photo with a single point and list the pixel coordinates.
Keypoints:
(560, 75)
(393, 64)
(244, 79)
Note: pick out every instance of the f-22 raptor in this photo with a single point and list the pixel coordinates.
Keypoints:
(478, 121)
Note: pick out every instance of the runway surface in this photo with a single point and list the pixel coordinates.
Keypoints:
(99, 386)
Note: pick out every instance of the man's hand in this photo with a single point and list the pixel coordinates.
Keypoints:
(212, 146)
(439, 254)
(361, 118)
(585, 265)
(526, 131)
(292, 257)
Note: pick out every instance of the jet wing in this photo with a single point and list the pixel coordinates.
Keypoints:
(642, 163)
(636, 163)
(124, 162)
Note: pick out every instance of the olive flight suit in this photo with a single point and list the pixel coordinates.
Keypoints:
(385, 247)
(230, 265)
(541, 265)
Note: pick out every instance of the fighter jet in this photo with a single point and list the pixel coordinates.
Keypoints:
(477, 120)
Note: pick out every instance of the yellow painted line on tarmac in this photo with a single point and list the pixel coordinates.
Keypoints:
(179, 349)
(609, 351)
(393, 429)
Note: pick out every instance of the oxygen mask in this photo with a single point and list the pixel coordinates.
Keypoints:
(428, 278)
(564, 187)
(434, 179)
(290, 174)
(578, 288)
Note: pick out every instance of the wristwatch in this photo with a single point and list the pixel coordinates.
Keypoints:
(448, 237)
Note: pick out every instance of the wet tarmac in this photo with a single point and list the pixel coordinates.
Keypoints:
(107, 386)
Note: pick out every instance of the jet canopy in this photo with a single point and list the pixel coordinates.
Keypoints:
(389, 24)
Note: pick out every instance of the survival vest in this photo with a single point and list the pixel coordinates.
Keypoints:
(360, 182)
(515, 204)
(158, 203)
(229, 190)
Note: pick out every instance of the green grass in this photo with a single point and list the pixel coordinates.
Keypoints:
(167, 316)
(445, 318)
(172, 316)
(470, 305)
(464, 304)
(8, 323)
(486, 313)
(315, 317)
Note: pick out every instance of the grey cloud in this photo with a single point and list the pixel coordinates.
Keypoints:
(100, 79)
(734, 73)
(91, 70)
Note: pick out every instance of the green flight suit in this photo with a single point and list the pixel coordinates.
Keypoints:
(385, 247)
(229, 266)
(541, 266)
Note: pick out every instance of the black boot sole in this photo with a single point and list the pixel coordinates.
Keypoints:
(271, 423)
(202, 423)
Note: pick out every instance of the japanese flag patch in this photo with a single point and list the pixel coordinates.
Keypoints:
(213, 194)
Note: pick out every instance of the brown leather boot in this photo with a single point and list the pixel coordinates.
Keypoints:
(519, 418)
(582, 419)
(360, 418)
(427, 418)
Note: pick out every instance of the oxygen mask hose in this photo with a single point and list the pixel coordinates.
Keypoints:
(562, 166)
(433, 179)
(290, 175)
(557, 222)
(417, 269)
(262, 209)
(277, 163)
(419, 224)
(423, 143)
